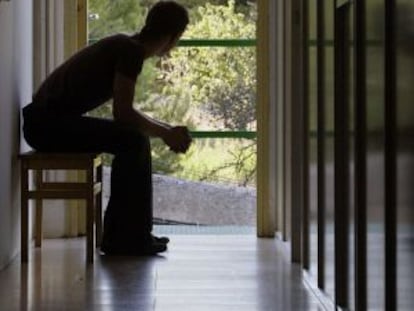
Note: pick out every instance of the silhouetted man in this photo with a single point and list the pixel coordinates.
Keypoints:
(108, 69)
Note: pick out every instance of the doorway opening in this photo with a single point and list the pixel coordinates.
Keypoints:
(207, 83)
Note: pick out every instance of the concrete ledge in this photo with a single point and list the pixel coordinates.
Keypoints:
(199, 202)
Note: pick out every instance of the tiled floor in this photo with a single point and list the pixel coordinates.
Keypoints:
(198, 272)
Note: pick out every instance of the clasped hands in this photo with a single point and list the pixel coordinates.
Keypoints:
(178, 138)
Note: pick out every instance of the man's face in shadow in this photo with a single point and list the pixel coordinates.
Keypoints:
(167, 44)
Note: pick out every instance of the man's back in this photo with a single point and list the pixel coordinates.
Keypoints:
(85, 80)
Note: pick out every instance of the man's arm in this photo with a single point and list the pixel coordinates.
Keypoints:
(123, 111)
(177, 138)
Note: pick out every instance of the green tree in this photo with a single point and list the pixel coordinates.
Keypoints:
(107, 17)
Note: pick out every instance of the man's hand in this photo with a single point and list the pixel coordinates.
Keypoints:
(178, 139)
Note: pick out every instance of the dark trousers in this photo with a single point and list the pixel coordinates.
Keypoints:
(128, 217)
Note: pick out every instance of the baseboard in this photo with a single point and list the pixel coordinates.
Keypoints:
(326, 302)
(12, 258)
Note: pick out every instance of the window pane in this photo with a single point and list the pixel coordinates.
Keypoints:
(213, 19)
(375, 155)
(405, 156)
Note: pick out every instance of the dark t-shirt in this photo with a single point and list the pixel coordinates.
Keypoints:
(85, 80)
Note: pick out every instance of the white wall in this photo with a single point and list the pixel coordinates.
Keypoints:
(15, 92)
(49, 42)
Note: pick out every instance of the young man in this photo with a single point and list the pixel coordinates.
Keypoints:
(108, 69)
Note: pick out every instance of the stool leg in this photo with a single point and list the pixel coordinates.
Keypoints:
(24, 213)
(98, 219)
(39, 210)
(90, 217)
(98, 202)
(39, 216)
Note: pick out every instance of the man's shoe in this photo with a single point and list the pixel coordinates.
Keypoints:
(161, 239)
(142, 250)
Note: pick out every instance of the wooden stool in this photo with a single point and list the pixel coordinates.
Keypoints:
(91, 191)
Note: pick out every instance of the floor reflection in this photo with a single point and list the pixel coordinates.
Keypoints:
(204, 272)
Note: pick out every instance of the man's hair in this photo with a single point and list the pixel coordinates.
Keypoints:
(165, 18)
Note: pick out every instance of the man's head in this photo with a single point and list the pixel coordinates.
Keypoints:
(165, 19)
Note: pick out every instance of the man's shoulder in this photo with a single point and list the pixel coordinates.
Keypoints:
(119, 37)
(121, 40)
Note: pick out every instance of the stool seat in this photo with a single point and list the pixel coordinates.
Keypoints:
(89, 190)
